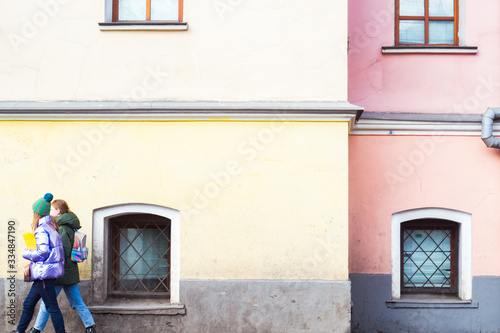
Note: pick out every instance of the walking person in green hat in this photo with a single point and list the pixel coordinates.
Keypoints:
(46, 264)
(68, 222)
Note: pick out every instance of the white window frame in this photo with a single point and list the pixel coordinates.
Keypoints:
(462, 47)
(464, 252)
(100, 246)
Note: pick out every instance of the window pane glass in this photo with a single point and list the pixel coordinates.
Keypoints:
(411, 8)
(132, 10)
(167, 10)
(143, 262)
(144, 259)
(146, 244)
(411, 32)
(441, 32)
(427, 258)
(441, 8)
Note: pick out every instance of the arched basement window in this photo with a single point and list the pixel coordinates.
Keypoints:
(443, 235)
(136, 255)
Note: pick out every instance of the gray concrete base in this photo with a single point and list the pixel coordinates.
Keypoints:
(220, 306)
(370, 313)
(10, 319)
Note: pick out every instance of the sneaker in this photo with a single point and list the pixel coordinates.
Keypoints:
(90, 329)
(34, 330)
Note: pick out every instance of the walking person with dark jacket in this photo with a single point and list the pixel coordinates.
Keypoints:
(68, 222)
(46, 264)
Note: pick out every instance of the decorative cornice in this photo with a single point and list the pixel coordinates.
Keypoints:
(179, 111)
(386, 123)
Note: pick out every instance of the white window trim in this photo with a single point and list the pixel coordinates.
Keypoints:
(461, 23)
(108, 11)
(464, 253)
(100, 246)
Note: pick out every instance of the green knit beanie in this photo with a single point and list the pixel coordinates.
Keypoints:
(42, 205)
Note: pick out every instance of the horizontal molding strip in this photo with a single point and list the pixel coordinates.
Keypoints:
(139, 309)
(144, 26)
(432, 304)
(434, 124)
(179, 111)
(429, 49)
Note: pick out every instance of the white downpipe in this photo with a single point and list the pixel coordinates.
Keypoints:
(487, 128)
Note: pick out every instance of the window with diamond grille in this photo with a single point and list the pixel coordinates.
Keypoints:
(429, 256)
(140, 255)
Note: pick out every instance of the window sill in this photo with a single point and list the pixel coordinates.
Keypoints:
(141, 26)
(429, 49)
(139, 307)
(431, 302)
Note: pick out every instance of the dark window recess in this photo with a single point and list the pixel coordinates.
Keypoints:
(140, 255)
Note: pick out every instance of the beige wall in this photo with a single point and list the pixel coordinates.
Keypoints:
(257, 199)
(233, 50)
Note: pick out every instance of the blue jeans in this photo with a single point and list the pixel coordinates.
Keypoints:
(45, 290)
(75, 300)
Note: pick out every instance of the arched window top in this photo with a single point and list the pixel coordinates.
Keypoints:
(137, 208)
(431, 213)
(428, 222)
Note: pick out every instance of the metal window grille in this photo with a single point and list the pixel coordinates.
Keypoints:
(140, 255)
(429, 256)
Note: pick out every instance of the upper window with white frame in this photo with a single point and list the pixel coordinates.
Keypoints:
(426, 22)
(147, 10)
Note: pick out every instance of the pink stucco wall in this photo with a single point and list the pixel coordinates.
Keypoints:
(388, 174)
(444, 83)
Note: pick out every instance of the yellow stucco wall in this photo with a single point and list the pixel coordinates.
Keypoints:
(233, 50)
(257, 199)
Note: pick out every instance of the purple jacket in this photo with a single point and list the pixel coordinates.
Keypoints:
(47, 261)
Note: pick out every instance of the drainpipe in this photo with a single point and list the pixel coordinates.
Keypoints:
(487, 128)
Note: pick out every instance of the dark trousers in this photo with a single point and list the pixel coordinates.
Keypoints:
(45, 290)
